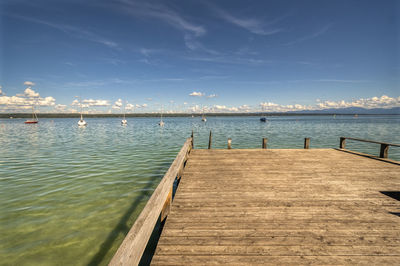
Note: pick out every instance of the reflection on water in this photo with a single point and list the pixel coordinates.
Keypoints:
(70, 194)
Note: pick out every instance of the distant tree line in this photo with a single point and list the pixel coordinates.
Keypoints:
(76, 115)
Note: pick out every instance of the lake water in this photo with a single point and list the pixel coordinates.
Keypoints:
(69, 195)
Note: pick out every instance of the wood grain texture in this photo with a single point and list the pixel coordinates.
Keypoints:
(131, 249)
(303, 206)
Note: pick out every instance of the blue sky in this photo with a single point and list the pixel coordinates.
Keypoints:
(229, 55)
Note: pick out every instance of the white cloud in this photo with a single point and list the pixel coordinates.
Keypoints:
(197, 94)
(60, 107)
(73, 31)
(196, 108)
(129, 106)
(251, 24)
(138, 106)
(91, 103)
(117, 105)
(223, 108)
(14, 100)
(273, 107)
(47, 101)
(96, 103)
(1, 92)
(375, 102)
(312, 35)
(30, 93)
(164, 13)
(369, 103)
(29, 83)
(25, 101)
(193, 44)
(212, 96)
(244, 108)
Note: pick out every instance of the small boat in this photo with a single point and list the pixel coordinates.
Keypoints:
(203, 117)
(31, 122)
(161, 123)
(124, 122)
(263, 118)
(81, 123)
(34, 119)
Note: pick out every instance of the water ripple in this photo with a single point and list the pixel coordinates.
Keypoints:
(64, 188)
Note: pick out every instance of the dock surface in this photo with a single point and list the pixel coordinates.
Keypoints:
(318, 206)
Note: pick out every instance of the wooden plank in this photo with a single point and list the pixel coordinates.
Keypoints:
(276, 250)
(218, 229)
(131, 249)
(263, 206)
(282, 240)
(274, 260)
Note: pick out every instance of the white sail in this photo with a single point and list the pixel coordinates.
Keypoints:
(124, 122)
(81, 122)
(161, 123)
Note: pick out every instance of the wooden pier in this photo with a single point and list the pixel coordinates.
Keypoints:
(272, 206)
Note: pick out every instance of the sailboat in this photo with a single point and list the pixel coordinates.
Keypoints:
(161, 123)
(203, 117)
(34, 119)
(81, 123)
(124, 122)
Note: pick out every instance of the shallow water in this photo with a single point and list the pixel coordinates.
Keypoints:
(69, 195)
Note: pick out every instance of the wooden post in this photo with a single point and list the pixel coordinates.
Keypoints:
(167, 206)
(384, 151)
(192, 138)
(342, 144)
(264, 143)
(229, 143)
(306, 143)
(209, 140)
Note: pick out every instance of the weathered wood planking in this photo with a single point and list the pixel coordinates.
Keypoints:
(308, 206)
(134, 244)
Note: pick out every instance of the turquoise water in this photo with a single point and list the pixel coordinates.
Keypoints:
(69, 195)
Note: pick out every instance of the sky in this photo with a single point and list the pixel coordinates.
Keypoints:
(194, 55)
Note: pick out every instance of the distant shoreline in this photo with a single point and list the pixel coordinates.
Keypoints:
(76, 115)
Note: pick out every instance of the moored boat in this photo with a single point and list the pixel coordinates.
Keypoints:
(34, 119)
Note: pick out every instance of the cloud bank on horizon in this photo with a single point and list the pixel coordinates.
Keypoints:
(22, 102)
